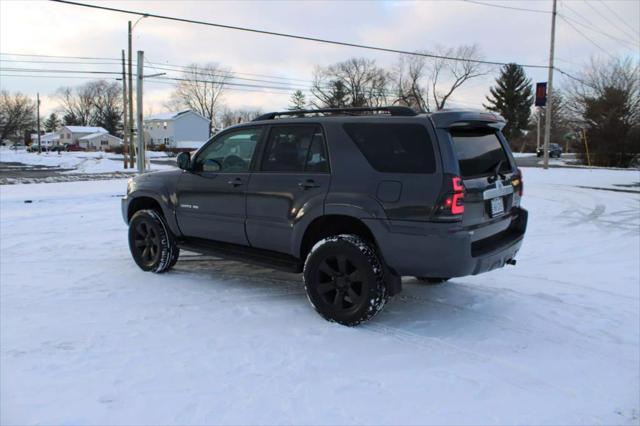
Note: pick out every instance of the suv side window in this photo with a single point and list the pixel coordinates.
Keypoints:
(232, 152)
(295, 149)
(394, 147)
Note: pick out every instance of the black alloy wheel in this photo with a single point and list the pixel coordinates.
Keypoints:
(340, 282)
(152, 245)
(147, 243)
(344, 279)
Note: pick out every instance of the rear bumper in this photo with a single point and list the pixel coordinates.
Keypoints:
(448, 249)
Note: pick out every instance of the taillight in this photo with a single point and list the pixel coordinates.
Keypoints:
(458, 204)
(453, 202)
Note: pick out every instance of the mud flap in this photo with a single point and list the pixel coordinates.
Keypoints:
(393, 281)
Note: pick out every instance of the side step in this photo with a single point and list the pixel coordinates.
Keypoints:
(255, 256)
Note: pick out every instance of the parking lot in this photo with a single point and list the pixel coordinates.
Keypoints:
(88, 338)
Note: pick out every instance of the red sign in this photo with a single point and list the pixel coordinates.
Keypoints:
(541, 94)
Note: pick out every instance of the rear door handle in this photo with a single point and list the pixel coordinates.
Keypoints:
(235, 182)
(308, 184)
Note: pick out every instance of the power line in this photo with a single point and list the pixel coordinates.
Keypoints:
(633, 31)
(58, 56)
(33, 70)
(48, 76)
(585, 36)
(521, 9)
(174, 68)
(602, 15)
(12, 69)
(117, 62)
(293, 36)
(592, 28)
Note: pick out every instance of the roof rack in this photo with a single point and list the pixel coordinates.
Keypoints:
(392, 110)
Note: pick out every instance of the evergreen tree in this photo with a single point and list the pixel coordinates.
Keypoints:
(298, 101)
(70, 119)
(338, 96)
(52, 123)
(512, 97)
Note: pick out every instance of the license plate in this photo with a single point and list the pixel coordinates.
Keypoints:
(497, 206)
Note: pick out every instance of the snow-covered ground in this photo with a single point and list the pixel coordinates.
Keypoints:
(88, 338)
(77, 161)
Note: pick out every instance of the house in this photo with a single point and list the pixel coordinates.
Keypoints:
(99, 141)
(175, 129)
(47, 140)
(70, 135)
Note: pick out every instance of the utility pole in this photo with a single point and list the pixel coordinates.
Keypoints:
(141, 154)
(548, 114)
(132, 149)
(125, 121)
(38, 118)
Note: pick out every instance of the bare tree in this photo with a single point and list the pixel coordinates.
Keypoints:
(17, 114)
(356, 82)
(107, 105)
(605, 103)
(408, 81)
(448, 75)
(76, 104)
(201, 89)
(95, 103)
(229, 117)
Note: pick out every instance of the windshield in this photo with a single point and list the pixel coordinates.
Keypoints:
(479, 152)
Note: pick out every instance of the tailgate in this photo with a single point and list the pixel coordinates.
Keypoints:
(489, 175)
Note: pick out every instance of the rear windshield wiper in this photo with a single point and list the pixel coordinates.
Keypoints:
(496, 171)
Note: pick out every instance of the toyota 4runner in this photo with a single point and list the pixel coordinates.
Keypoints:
(353, 199)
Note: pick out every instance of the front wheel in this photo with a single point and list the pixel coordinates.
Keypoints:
(344, 280)
(152, 245)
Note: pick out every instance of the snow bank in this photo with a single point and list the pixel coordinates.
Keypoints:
(88, 338)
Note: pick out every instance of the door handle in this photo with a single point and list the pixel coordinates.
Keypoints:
(308, 184)
(235, 182)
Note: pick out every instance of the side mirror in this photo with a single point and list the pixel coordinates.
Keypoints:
(184, 160)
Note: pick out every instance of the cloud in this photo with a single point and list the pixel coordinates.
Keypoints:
(48, 28)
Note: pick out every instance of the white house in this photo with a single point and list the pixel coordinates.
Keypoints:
(176, 129)
(99, 141)
(70, 135)
(47, 140)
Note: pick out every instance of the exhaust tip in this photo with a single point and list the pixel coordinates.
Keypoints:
(511, 262)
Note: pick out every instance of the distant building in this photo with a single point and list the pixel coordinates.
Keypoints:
(99, 141)
(176, 129)
(70, 135)
(47, 140)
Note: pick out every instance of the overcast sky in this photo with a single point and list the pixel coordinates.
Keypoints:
(46, 28)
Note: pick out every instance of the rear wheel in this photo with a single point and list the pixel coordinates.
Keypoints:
(152, 245)
(344, 280)
(432, 280)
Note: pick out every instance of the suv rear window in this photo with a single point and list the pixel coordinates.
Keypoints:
(394, 147)
(479, 151)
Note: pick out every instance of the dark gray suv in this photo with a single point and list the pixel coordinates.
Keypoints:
(352, 198)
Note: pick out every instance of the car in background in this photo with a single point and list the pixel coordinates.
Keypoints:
(555, 150)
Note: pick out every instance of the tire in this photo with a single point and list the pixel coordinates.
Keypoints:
(152, 245)
(344, 280)
(432, 280)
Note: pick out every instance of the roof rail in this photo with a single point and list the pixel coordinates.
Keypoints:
(392, 110)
